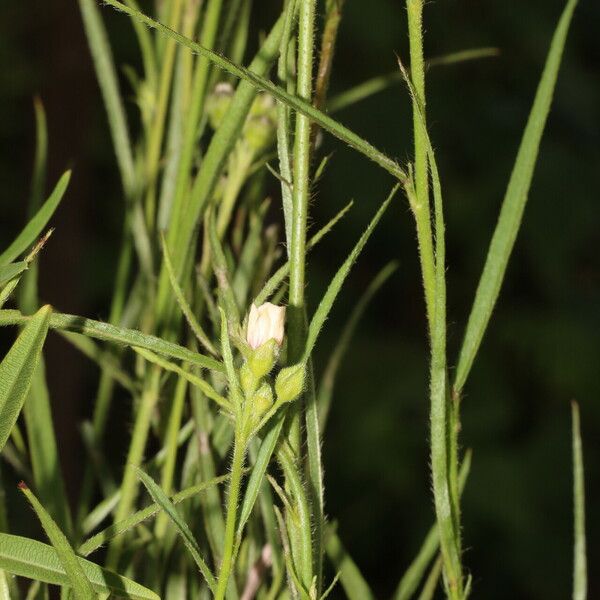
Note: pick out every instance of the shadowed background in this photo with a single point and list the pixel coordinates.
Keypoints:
(542, 348)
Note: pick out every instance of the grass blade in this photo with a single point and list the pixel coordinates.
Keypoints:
(379, 83)
(301, 106)
(17, 369)
(206, 388)
(33, 229)
(183, 304)
(513, 204)
(277, 278)
(180, 525)
(414, 574)
(336, 283)
(118, 335)
(353, 582)
(75, 573)
(255, 480)
(325, 392)
(99, 539)
(32, 559)
(109, 86)
(11, 270)
(579, 549)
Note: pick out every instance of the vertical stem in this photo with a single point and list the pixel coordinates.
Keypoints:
(135, 455)
(158, 123)
(421, 207)
(301, 175)
(237, 466)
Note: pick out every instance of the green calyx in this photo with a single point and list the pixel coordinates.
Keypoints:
(290, 382)
(262, 360)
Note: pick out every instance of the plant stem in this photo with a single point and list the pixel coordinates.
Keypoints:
(158, 123)
(300, 195)
(237, 469)
(421, 208)
(129, 485)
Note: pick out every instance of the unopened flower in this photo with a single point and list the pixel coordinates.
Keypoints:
(265, 322)
(290, 382)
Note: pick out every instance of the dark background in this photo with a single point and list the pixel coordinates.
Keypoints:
(543, 345)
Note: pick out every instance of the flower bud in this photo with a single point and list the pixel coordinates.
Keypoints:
(259, 132)
(262, 360)
(290, 382)
(262, 401)
(218, 103)
(265, 322)
(248, 380)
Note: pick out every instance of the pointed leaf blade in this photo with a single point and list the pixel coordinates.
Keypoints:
(35, 560)
(33, 229)
(17, 368)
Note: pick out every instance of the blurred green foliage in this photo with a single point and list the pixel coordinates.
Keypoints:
(541, 350)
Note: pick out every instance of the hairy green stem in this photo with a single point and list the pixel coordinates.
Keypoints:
(421, 207)
(237, 471)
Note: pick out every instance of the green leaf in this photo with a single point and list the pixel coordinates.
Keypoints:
(255, 480)
(117, 335)
(206, 388)
(336, 283)
(277, 278)
(140, 516)
(180, 525)
(513, 205)
(183, 304)
(380, 83)
(7, 272)
(301, 106)
(17, 368)
(353, 582)
(446, 506)
(579, 548)
(414, 573)
(33, 229)
(234, 386)
(335, 358)
(69, 561)
(109, 86)
(32, 559)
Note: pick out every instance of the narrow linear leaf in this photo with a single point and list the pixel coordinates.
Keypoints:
(379, 83)
(32, 559)
(180, 525)
(325, 392)
(183, 304)
(7, 272)
(106, 361)
(579, 548)
(118, 335)
(513, 204)
(206, 388)
(140, 516)
(301, 106)
(277, 278)
(431, 583)
(353, 582)
(446, 507)
(232, 379)
(255, 480)
(17, 368)
(109, 86)
(336, 283)
(77, 578)
(35, 226)
(414, 573)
